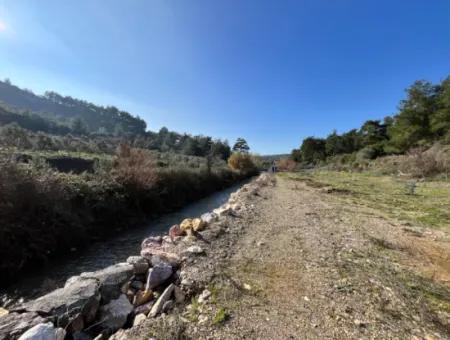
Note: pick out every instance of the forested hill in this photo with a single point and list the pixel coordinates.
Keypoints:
(108, 120)
(53, 122)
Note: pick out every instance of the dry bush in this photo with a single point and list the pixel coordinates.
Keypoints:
(136, 167)
(417, 162)
(242, 162)
(286, 164)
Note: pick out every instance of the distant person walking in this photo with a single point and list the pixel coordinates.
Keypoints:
(273, 168)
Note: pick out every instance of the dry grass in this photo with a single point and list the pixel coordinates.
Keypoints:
(418, 163)
(428, 207)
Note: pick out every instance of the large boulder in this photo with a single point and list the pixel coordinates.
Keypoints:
(13, 325)
(44, 331)
(111, 279)
(78, 296)
(139, 264)
(158, 275)
(114, 314)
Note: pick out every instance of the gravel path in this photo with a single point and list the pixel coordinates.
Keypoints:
(302, 264)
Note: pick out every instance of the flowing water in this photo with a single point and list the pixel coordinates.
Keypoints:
(102, 254)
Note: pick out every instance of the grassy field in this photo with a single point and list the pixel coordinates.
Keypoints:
(428, 206)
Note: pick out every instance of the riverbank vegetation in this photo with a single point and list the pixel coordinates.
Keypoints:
(72, 172)
(415, 141)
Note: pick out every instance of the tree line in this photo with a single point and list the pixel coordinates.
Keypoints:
(77, 125)
(423, 118)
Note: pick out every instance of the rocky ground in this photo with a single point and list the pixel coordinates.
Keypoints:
(298, 262)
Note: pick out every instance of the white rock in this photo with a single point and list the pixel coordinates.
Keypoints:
(223, 210)
(195, 250)
(204, 296)
(44, 331)
(139, 319)
(236, 207)
(202, 319)
(165, 296)
(114, 314)
(187, 282)
(209, 218)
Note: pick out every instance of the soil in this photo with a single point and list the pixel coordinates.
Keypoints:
(300, 263)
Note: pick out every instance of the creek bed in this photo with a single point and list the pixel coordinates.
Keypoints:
(102, 254)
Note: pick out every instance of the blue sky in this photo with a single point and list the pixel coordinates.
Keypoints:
(273, 72)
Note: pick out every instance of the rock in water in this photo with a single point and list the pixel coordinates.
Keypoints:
(114, 314)
(139, 264)
(158, 275)
(44, 331)
(165, 296)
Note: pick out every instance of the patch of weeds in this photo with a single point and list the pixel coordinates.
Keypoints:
(436, 297)
(215, 290)
(221, 316)
(194, 310)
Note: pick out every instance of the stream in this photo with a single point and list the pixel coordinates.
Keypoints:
(101, 254)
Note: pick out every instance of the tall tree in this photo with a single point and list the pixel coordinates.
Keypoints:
(241, 146)
(313, 150)
(411, 125)
(440, 120)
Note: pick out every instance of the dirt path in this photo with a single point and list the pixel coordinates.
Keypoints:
(310, 267)
(303, 263)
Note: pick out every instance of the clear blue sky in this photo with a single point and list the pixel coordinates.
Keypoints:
(273, 72)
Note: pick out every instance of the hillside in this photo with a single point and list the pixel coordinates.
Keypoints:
(66, 109)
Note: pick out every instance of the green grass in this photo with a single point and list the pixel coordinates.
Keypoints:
(429, 206)
(220, 317)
